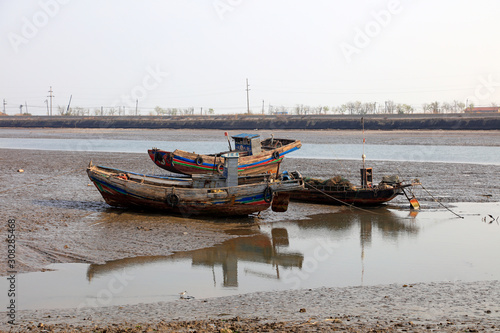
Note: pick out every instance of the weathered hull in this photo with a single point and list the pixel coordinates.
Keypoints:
(361, 197)
(180, 161)
(118, 191)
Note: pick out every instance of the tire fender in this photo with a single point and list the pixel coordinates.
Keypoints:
(268, 194)
(172, 199)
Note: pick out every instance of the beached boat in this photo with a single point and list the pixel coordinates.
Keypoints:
(256, 157)
(338, 191)
(225, 195)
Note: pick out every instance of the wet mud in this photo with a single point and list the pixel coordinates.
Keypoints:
(62, 218)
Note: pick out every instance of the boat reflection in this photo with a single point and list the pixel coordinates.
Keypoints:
(390, 223)
(266, 252)
(257, 248)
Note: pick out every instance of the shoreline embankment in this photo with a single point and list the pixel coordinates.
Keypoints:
(459, 121)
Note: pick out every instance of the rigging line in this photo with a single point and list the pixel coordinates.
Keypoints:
(342, 202)
(440, 202)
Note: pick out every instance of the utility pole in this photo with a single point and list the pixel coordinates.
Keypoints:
(26, 104)
(136, 105)
(248, 99)
(50, 96)
(69, 103)
(4, 104)
(262, 106)
(47, 103)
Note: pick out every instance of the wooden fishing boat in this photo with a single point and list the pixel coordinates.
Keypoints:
(255, 157)
(339, 191)
(343, 193)
(224, 195)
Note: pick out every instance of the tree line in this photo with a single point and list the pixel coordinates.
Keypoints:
(360, 108)
(349, 108)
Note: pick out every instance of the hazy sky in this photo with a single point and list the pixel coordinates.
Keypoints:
(198, 53)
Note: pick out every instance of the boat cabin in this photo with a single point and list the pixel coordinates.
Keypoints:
(249, 143)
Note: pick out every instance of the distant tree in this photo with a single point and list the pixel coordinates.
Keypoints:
(350, 107)
(471, 106)
(404, 109)
(298, 109)
(434, 107)
(390, 107)
(408, 108)
(447, 107)
(159, 111)
(78, 111)
(306, 109)
(343, 109)
(61, 110)
(368, 108)
(458, 106)
(211, 111)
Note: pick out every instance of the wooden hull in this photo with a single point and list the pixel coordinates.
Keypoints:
(121, 189)
(359, 197)
(179, 161)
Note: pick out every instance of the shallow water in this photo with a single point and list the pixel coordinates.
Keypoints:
(339, 247)
(374, 152)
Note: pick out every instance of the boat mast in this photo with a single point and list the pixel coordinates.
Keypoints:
(363, 156)
(366, 174)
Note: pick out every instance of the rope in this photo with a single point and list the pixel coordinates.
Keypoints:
(342, 202)
(440, 202)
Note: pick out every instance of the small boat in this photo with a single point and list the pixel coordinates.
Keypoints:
(256, 157)
(224, 195)
(338, 191)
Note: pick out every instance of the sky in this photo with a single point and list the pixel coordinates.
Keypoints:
(196, 53)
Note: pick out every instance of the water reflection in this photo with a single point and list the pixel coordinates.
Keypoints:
(392, 224)
(258, 248)
(379, 246)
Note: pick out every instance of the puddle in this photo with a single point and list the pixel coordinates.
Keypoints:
(341, 248)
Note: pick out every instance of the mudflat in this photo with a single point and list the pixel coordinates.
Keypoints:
(61, 218)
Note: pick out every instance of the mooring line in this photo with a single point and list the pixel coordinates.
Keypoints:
(440, 202)
(342, 202)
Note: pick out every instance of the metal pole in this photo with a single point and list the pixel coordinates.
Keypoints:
(50, 96)
(248, 99)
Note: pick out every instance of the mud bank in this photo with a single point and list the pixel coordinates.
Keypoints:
(422, 307)
(250, 122)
